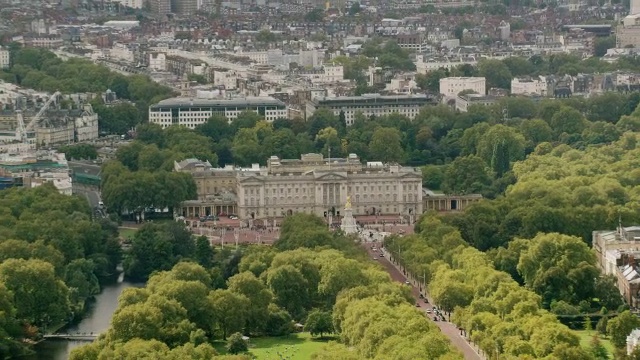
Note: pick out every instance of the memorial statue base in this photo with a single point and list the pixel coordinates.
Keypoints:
(349, 225)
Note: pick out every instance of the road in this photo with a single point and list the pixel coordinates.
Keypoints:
(448, 329)
(93, 197)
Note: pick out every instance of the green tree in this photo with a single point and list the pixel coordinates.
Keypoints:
(466, 175)
(567, 271)
(621, 326)
(602, 44)
(597, 349)
(79, 152)
(230, 309)
(386, 145)
(43, 297)
(568, 120)
(157, 247)
(236, 344)
(289, 288)
(431, 80)
(496, 73)
(259, 297)
(601, 326)
(279, 322)
(319, 323)
(204, 252)
(246, 147)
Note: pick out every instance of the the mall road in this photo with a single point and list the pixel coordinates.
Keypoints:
(448, 329)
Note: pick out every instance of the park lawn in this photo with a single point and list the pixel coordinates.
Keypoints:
(298, 346)
(585, 340)
(126, 233)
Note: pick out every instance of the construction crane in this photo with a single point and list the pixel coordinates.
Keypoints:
(23, 130)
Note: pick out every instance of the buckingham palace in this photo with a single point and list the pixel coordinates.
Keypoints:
(312, 184)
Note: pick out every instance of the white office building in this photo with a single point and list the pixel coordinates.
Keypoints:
(528, 86)
(193, 112)
(450, 87)
(372, 105)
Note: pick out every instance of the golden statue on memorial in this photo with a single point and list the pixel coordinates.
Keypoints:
(348, 204)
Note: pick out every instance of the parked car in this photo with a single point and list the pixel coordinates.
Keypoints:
(233, 217)
(222, 214)
(417, 304)
(407, 282)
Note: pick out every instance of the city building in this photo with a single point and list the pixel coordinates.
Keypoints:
(60, 126)
(610, 244)
(616, 252)
(463, 102)
(528, 86)
(193, 112)
(372, 105)
(157, 61)
(5, 60)
(160, 8)
(628, 32)
(444, 202)
(312, 184)
(450, 87)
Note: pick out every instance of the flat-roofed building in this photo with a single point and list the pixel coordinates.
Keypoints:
(193, 112)
(373, 105)
(463, 102)
(628, 32)
(528, 86)
(450, 87)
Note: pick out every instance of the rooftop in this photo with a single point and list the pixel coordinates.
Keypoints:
(244, 101)
(373, 98)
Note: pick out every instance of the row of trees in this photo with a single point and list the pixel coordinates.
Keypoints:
(52, 259)
(562, 270)
(561, 190)
(502, 318)
(313, 276)
(41, 69)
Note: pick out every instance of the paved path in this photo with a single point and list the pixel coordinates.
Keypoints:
(448, 329)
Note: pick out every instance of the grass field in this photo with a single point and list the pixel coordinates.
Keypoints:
(126, 233)
(585, 340)
(294, 347)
